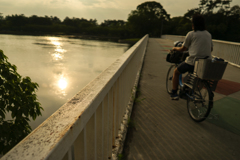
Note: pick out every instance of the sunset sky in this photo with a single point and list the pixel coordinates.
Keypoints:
(91, 9)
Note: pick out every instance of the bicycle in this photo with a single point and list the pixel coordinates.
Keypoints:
(197, 87)
(197, 92)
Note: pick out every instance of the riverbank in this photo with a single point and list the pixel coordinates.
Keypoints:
(130, 41)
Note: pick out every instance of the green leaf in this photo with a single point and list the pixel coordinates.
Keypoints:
(2, 114)
(18, 98)
(25, 111)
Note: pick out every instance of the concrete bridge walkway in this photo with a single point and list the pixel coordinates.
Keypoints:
(161, 128)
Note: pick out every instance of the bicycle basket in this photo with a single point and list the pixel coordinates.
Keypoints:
(174, 56)
(208, 70)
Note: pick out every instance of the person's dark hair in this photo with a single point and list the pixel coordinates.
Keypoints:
(198, 22)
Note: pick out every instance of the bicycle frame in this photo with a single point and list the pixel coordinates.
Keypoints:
(199, 106)
(180, 81)
(181, 84)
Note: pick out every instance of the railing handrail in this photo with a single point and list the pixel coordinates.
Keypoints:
(230, 51)
(214, 40)
(55, 137)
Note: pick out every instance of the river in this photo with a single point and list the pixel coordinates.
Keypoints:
(61, 66)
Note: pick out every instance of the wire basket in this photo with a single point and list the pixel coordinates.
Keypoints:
(208, 70)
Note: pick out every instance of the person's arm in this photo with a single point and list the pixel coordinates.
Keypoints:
(180, 49)
(186, 44)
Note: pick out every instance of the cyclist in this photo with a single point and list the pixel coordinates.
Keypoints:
(199, 45)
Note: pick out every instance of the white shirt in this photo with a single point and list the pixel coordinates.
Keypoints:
(199, 44)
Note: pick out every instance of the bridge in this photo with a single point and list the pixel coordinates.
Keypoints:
(93, 124)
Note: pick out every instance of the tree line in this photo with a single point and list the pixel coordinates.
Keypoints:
(20, 24)
(222, 20)
(148, 18)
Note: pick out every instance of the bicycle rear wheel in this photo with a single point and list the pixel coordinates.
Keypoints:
(200, 102)
(169, 78)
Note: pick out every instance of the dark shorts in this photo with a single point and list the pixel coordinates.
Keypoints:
(184, 67)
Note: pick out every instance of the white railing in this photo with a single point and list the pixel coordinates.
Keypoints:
(86, 127)
(230, 51)
(173, 37)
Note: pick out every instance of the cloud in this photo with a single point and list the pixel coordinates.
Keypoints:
(89, 2)
(4, 3)
(91, 9)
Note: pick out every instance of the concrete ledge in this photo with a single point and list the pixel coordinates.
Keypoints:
(124, 125)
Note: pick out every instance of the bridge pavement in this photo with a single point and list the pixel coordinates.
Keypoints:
(161, 128)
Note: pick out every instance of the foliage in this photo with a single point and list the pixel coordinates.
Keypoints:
(222, 21)
(192, 12)
(21, 24)
(18, 101)
(222, 24)
(120, 157)
(1, 17)
(207, 6)
(113, 23)
(131, 124)
(178, 26)
(147, 19)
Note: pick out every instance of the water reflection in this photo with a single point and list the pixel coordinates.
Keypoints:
(60, 80)
(58, 53)
(54, 41)
(62, 83)
(61, 66)
(60, 50)
(57, 56)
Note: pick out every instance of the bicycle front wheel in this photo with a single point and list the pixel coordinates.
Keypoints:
(200, 102)
(169, 78)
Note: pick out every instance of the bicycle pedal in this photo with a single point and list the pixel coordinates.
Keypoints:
(198, 100)
(175, 98)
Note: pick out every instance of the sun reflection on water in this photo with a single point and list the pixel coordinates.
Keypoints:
(54, 41)
(62, 83)
(58, 53)
(57, 56)
(60, 50)
(60, 80)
